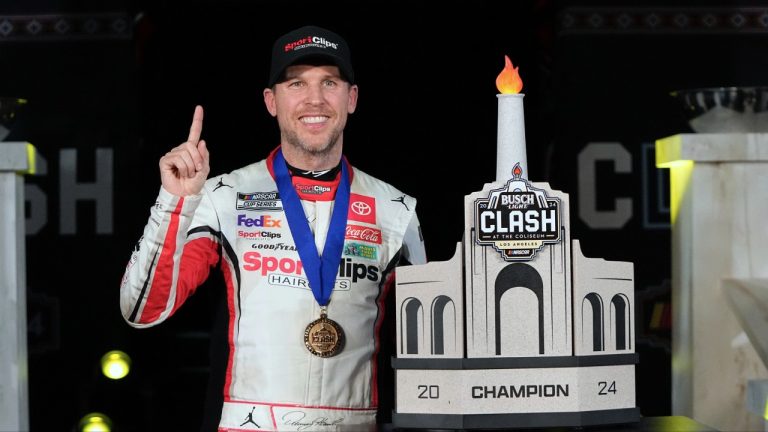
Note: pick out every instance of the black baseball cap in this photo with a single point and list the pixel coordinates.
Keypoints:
(310, 44)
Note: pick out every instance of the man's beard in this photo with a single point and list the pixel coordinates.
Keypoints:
(290, 137)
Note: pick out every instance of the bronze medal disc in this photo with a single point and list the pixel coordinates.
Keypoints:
(324, 337)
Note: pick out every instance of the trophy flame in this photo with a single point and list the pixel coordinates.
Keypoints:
(509, 81)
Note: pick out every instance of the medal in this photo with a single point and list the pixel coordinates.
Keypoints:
(324, 337)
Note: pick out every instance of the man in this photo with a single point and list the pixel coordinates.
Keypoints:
(307, 245)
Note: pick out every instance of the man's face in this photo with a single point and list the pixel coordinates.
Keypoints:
(311, 107)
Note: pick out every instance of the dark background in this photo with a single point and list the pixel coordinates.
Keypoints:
(122, 79)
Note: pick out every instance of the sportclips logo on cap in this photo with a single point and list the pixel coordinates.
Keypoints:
(310, 41)
(325, 46)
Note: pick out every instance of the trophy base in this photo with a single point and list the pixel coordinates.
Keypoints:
(515, 393)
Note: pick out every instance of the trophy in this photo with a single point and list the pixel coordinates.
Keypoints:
(519, 329)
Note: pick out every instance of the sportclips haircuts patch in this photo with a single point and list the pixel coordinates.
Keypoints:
(517, 220)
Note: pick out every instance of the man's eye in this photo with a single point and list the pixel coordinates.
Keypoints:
(330, 83)
(295, 84)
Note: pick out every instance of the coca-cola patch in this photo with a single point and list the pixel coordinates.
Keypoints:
(363, 233)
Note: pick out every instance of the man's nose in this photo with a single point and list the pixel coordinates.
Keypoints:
(315, 94)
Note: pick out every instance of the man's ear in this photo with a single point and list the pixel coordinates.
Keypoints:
(269, 101)
(352, 102)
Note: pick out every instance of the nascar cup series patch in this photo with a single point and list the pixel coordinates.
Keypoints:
(259, 201)
(518, 219)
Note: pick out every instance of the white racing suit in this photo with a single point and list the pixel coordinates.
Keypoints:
(272, 381)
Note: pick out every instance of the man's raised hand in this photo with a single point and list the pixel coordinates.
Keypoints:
(184, 169)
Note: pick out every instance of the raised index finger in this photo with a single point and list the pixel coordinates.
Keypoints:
(197, 125)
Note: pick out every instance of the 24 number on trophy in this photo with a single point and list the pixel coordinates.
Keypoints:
(605, 388)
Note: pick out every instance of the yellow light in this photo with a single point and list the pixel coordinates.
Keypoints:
(669, 154)
(680, 178)
(669, 151)
(96, 427)
(765, 413)
(31, 159)
(674, 164)
(115, 364)
(95, 422)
